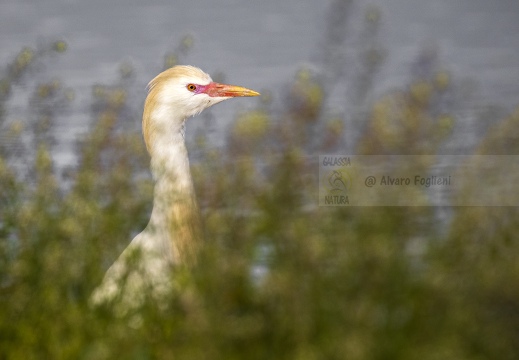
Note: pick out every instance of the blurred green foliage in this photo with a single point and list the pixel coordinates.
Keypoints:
(277, 278)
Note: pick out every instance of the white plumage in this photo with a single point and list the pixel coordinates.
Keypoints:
(172, 235)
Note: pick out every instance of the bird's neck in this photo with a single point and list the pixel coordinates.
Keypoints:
(175, 216)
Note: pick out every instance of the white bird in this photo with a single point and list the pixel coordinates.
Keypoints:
(172, 234)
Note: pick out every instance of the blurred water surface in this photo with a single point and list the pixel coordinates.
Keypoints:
(260, 44)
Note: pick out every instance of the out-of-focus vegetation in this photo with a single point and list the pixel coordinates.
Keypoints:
(278, 278)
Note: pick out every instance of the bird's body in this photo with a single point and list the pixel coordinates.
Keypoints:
(172, 235)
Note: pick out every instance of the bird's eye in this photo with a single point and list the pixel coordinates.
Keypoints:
(191, 87)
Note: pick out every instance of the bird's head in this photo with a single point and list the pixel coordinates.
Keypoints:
(181, 92)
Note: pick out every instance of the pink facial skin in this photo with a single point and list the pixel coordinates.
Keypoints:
(214, 89)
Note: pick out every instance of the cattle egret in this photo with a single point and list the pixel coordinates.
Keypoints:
(171, 236)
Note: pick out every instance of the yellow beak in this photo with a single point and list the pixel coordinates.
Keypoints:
(224, 90)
